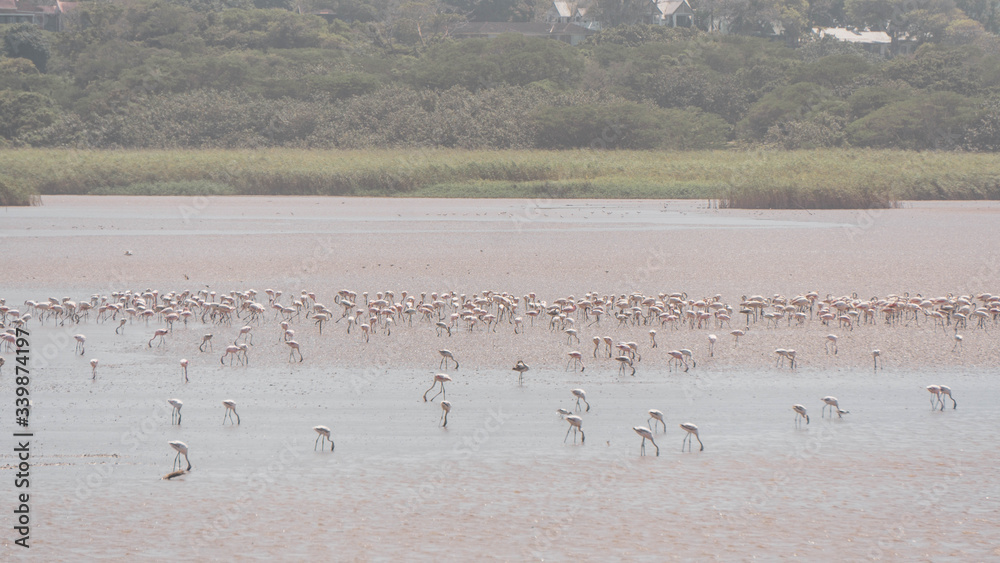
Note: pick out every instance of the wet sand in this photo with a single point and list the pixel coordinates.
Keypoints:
(499, 483)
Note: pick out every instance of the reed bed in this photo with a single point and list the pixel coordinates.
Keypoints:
(815, 179)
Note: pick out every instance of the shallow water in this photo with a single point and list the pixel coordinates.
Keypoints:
(891, 480)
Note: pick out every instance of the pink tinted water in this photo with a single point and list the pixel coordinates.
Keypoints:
(891, 480)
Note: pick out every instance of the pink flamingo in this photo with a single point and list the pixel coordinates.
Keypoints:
(575, 358)
(441, 378)
(293, 348)
(159, 333)
(646, 435)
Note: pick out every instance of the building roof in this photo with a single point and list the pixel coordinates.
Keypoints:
(563, 9)
(852, 35)
(669, 7)
(529, 28)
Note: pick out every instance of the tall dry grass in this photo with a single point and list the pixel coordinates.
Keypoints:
(814, 179)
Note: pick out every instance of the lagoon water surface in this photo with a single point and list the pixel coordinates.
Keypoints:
(891, 480)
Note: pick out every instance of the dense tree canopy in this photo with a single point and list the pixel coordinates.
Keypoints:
(382, 73)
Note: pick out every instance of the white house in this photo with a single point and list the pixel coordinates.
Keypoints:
(872, 41)
(572, 12)
(675, 13)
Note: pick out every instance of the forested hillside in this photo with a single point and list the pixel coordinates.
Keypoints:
(244, 74)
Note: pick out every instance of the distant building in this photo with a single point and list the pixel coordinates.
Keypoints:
(566, 32)
(51, 18)
(573, 12)
(675, 13)
(878, 42)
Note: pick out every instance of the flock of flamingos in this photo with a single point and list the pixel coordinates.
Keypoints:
(448, 312)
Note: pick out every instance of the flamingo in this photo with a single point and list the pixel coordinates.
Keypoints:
(441, 378)
(936, 399)
(158, 333)
(711, 345)
(442, 326)
(230, 411)
(563, 413)
(445, 409)
(597, 344)
(245, 334)
(646, 435)
(293, 347)
(657, 415)
(207, 339)
(93, 368)
(691, 430)
(800, 413)
(575, 423)
(958, 342)
(581, 395)
(184, 369)
(652, 338)
(834, 406)
(121, 327)
(945, 390)
(445, 356)
(81, 342)
(181, 448)
(688, 356)
(624, 361)
(831, 339)
(676, 357)
(231, 351)
(324, 433)
(176, 413)
(520, 367)
(572, 334)
(738, 333)
(875, 356)
(575, 358)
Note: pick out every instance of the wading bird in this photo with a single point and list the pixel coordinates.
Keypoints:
(575, 423)
(441, 378)
(184, 370)
(646, 435)
(181, 449)
(230, 411)
(831, 341)
(158, 333)
(800, 413)
(581, 395)
(575, 358)
(624, 361)
(445, 356)
(293, 348)
(936, 399)
(324, 433)
(176, 413)
(520, 367)
(445, 409)
(945, 390)
(207, 339)
(656, 415)
(691, 430)
(875, 356)
(93, 368)
(834, 406)
(81, 342)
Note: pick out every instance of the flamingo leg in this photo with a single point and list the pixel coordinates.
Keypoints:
(429, 390)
